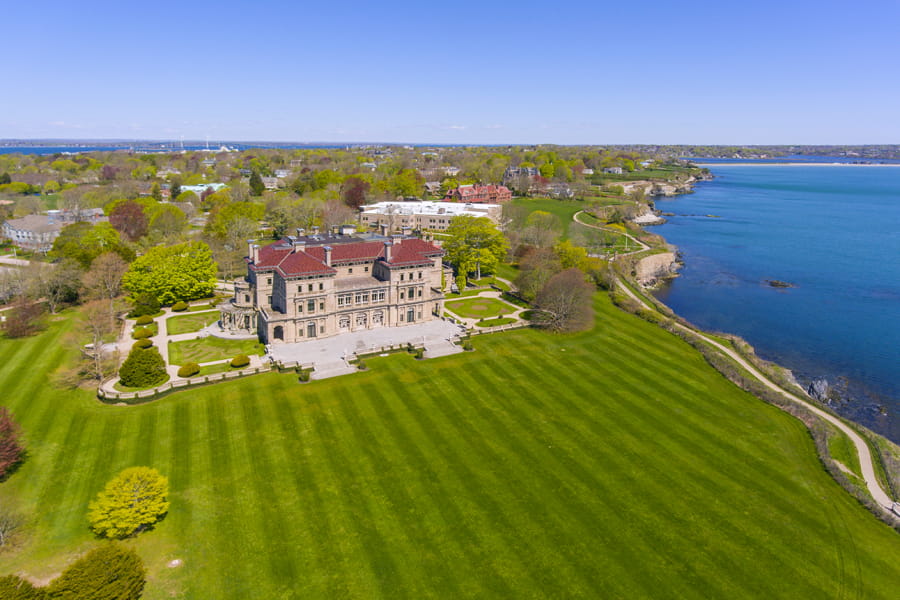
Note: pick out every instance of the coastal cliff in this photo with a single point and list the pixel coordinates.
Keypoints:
(650, 270)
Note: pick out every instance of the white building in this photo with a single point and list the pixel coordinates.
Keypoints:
(434, 216)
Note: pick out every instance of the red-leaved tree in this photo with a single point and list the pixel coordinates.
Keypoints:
(11, 448)
(354, 191)
(129, 219)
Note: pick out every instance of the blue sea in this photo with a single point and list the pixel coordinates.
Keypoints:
(833, 232)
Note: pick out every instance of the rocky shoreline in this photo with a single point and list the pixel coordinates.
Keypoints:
(850, 399)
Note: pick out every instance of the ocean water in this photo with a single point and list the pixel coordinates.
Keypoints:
(833, 232)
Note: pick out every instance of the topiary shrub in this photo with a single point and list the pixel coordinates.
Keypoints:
(361, 365)
(141, 333)
(144, 304)
(241, 360)
(188, 370)
(420, 353)
(143, 368)
(303, 375)
(144, 320)
(179, 307)
(142, 344)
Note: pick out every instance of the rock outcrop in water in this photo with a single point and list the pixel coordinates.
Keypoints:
(819, 389)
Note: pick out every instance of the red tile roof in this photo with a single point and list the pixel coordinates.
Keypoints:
(281, 257)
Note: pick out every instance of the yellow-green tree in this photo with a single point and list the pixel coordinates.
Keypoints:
(130, 502)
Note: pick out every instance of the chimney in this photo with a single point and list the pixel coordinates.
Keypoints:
(299, 245)
(397, 239)
(300, 232)
(348, 229)
(253, 251)
(384, 229)
(327, 255)
(315, 230)
(406, 230)
(387, 251)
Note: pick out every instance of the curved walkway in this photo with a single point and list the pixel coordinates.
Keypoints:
(641, 245)
(862, 448)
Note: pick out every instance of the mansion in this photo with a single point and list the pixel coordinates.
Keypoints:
(313, 286)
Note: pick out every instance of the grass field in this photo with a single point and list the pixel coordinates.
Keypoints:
(210, 348)
(479, 308)
(564, 209)
(610, 464)
(190, 322)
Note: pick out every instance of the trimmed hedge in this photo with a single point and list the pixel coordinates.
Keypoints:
(143, 368)
(144, 320)
(241, 360)
(143, 344)
(179, 307)
(142, 333)
(145, 304)
(188, 369)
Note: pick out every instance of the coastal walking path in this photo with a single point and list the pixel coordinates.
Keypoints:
(862, 448)
(641, 245)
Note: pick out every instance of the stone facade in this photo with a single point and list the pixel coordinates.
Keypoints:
(318, 286)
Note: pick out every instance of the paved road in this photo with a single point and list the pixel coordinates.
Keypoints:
(862, 448)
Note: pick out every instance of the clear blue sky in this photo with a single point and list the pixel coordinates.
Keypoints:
(791, 71)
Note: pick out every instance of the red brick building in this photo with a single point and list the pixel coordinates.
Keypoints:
(479, 194)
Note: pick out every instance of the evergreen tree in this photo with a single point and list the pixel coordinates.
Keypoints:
(132, 501)
(257, 187)
(16, 588)
(143, 368)
(110, 572)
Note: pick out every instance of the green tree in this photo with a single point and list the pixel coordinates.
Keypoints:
(110, 572)
(13, 587)
(144, 367)
(257, 187)
(167, 220)
(474, 244)
(84, 242)
(171, 273)
(130, 502)
(155, 192)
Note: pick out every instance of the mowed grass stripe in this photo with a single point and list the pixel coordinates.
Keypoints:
(567, 507)
(230, 533)
(496, 543)
(681, 434)
(268, 508)
(396, 506)
(524, 516)
(376, 575)
(650, 477)
(441, 494)
(330, 572)
(585, 484)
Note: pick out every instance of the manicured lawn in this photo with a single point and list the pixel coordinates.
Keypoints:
(191, 322)
(210, 348)
(477, 308)
(610, 464)
(495, 322)
(215, 369)
(842, 450)
(564, 209)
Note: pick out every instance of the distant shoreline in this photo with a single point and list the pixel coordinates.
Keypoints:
(750, 163)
